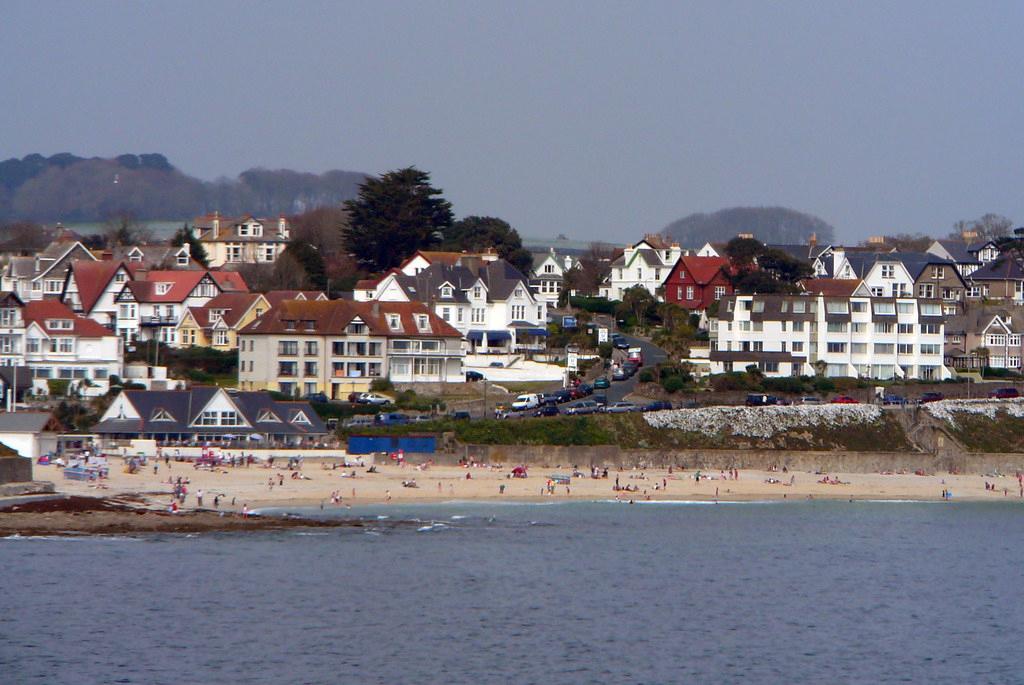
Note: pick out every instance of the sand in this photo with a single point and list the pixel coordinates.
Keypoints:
(249, 487)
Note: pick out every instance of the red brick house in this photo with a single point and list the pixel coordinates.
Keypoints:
(696, 282)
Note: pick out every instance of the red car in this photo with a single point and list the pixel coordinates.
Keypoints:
(844, 399)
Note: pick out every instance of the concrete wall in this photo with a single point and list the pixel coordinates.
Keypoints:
(15, 470)
(836, 461)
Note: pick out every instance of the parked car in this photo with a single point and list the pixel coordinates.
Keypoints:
(497, 365)
(358, 421)
(602, 383)
(620, 343)
(811, 399)
(584, 407)
(761, 400)
(621, 408)
(391, 419)
(1004, 393)
(316, 397)
(547, 410)
(619, 374)
(630, 368)
(585, 389)
(461, 415)
(524, 402)
(601, 400)
(562, 396)
(931, 397)
(659, 405)
(636, 355)
(844, 399)
(474, 376)
(427, 418)
(372, 398)
(894, 399)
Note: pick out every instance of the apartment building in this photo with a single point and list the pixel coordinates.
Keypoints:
(838, 336)
(339, 347)
(906, 274)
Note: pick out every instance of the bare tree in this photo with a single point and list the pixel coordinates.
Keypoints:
(989, 227)
(124, 229)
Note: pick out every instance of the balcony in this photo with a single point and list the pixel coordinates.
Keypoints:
(158, 321)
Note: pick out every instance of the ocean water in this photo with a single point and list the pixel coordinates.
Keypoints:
(815, 592)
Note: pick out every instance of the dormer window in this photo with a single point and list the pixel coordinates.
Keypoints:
(356, 328)
(300, 417)
(519, 292)
(394, 322)
(120, 277)
(477, 291)
(268, 416)
(135, 256)
(161, 415)
(289, 325)
(59, 324)
(182, 259)
(423, 323)
(309, 325)
(163, 288)
(446, 291)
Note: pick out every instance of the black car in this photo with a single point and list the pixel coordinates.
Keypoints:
(562, 396)
(461, 415)
(547, 410)
(930, 397)
(631, 368)
(474, 376)
(620, 344)
(600, 399)
(759, 400)
(315, 397)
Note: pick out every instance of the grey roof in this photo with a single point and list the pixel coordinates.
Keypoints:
(185, 406)
(24, 422)
(977, 318)
(500, 277)
(805, 253)
(1001, 269)
(959, 251)
(914, 262)
(21, 267)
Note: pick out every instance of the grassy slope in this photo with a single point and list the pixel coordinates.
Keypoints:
(632, 431)
(981, 434)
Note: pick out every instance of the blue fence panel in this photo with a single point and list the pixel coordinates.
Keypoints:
(365, 444)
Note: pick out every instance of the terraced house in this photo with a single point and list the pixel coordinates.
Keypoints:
(338, 347)
(841, 331)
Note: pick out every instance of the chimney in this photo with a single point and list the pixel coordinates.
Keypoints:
(216, 225)
(375, 308)
(282, 227)
(969, 236)
(813, 240)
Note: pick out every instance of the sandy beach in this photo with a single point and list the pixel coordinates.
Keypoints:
(257, 487)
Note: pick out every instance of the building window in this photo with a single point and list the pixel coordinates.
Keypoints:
(219, 338)
(719, 292)
(287, 348)
(689, 292)
(311, 348)
(888, 271)
(309, 369)
(926, 290)
(906, 329)
(234, 253)
(286, 388)
(836, 348)
(287, 369)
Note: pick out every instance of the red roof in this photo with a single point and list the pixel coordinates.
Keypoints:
(234, 304)
(92, 278)
(39, 311)
(702, 270)
(230, 280)
(830, 287)
(330, 317)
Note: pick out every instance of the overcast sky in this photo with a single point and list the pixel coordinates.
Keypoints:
(597, 120)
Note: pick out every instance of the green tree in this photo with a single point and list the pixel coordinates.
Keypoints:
(478, 233)
(395, 215)
(195, 247)
(309, 258)
(639, 302)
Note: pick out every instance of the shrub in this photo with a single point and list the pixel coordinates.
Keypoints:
(597, 305)
(57, 387)
(646, 376)
(824, 385)
(381, 385)
(786, 384)
(730, 381)
(673, 384)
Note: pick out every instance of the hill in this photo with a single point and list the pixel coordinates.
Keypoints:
(65, 187)
(775, 225)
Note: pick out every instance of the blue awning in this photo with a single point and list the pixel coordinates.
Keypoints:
(532, 331)
(492, 336)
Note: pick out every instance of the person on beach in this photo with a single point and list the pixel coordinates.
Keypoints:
(387, 495)
(199, 498)
(245, 511)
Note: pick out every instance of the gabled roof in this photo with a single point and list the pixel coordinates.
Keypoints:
(182, 283)
(331, 317)
(957, 250)
(701, 269)
(276, 297)
(805, 253)
(152, 256)
(39, 311)
(28, 422)
(979, 319)
(92, 279)
(499, 278)
(184, 406)
(236, 305)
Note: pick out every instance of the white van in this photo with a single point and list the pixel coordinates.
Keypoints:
(523, 402)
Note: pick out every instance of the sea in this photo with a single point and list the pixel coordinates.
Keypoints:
(575, 592)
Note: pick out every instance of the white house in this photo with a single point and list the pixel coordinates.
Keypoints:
(241, 240)
(548, 275)
(486, 299)
(43, 274)
(646, 264)
(29, 433)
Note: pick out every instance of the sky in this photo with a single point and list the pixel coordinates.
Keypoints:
(599, 120)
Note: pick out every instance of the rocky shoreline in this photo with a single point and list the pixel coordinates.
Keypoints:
(77, 515)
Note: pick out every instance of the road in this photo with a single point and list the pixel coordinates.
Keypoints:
(653, 355)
